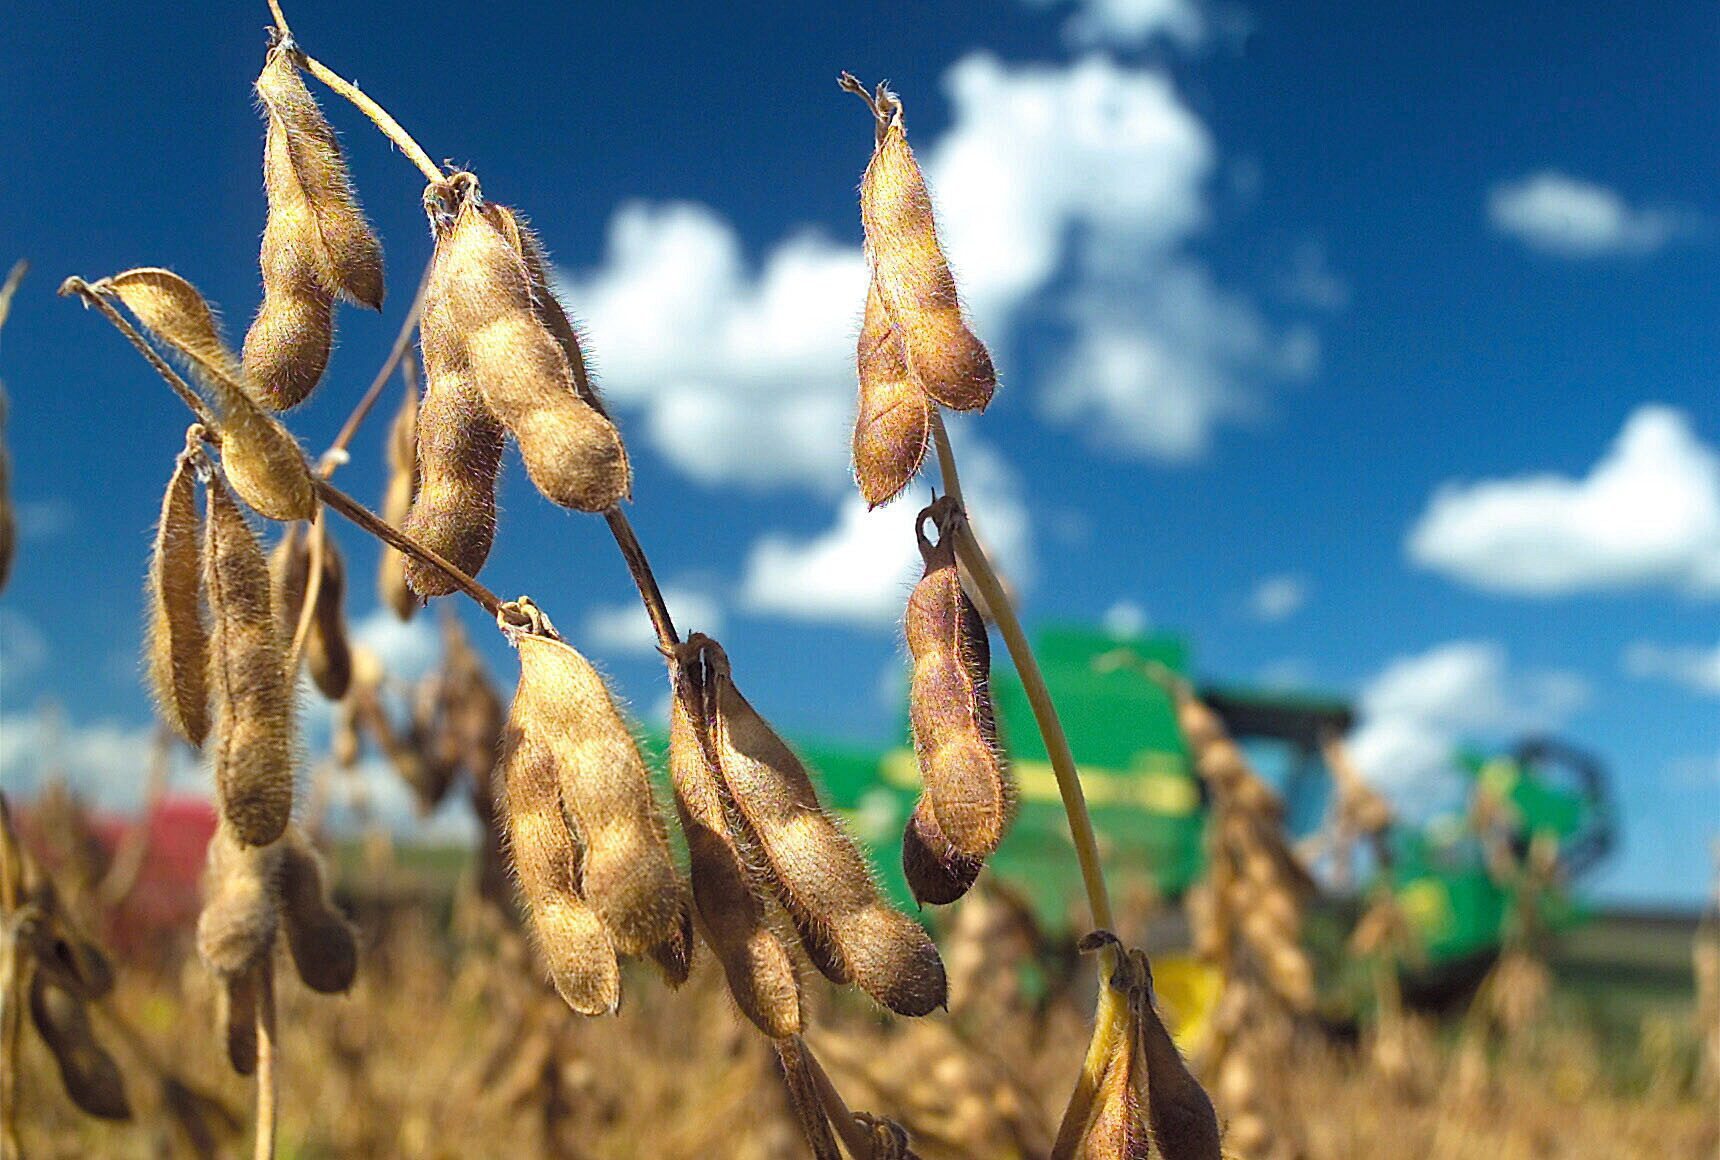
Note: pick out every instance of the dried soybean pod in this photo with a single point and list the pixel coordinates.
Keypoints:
(241, 905)
(262, 462)
(573, 453)
(459, 457)
(324, 949)
(177, 636)
(397, 500)
(546, 859)
(328, 652)
(908, 267)
(548, 308)
(893, 424)
(88, 1072)
(253, 724)
(628, 876)
(936, 872)
(818, 875)
(316, 244)
(236, 1012)
(759, 970)
(1179, 1112)
(949, 700)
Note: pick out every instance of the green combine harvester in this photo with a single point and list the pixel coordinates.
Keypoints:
(1149, 807)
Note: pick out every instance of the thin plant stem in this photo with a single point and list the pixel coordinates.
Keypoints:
(639, 567)
(389, 126)
(402, 344)
(313, 591)
(389, 534)
(268, 1074)
(1002, 609)
(852, 1133)
(76, 285)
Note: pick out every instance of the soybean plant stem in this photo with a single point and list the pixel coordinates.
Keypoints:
(76, 285)
(268, 1078)
(389, 126)
(394, 537)
(997, 600)
(646, 581)
(852, 1133)
(402, 343)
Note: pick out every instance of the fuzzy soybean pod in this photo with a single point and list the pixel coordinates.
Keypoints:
(908, 267)
(177, 636)
(236, 1014)
(397, 500)
(893, 424)
(937, 873)
(544, 301)
(316, 245)
(328, 650)
(459, 457)
(760, 972)
(88, 1072)
(819, 877)
(949, 699)
(241, 903)
(573, 453)
(253, 724)
(628, 877)
(265, 466)
(324, 949)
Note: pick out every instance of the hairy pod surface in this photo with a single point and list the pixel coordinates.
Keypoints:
(316, 244)
(236, 1014)
(253, 724)
(949, 699)
(345, 250)
(459, 456)
(573, 453)
(893, 424)
(328, 650)
(936, 871)
(732, 916)
(87, 1071)
(547, 857)
(397, 502)
(241, 903)
(177, 636)
(263, 463)
(564, 711)
(545, 303)
(323, 946)
(819, 877)
(913, 279)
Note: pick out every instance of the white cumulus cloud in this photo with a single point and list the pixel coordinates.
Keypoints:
(625, 628)
(1128, 23)
(1418, 709)
(1647, 514)
(1572, 218)
(1693, 666)
(1278, 597)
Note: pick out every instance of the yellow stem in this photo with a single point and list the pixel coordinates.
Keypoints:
(268, 1076)
(389, 126)
(1038, 696)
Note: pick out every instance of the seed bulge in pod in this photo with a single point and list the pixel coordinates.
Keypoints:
(397, 500)
(913, 279)
(572, 452)
(88, 1072)
(253, 726)
(893, 423)
(323, 947)
(241, 903)
(759, 970)
(819, 877)
(459, 456)
(628, 876)
(936, 872)
(177, 659)
(949, 699)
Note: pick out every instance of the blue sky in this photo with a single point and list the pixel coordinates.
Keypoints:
(1373, 349)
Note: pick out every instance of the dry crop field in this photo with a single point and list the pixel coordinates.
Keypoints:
(696, 964)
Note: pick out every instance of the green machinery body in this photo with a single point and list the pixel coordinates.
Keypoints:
(1149, 808)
